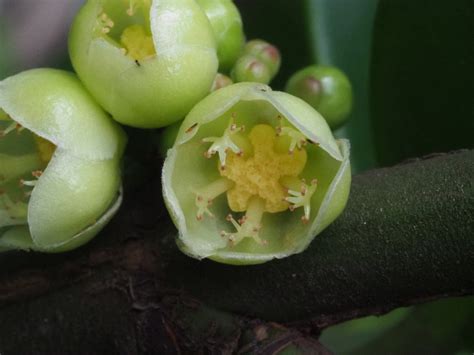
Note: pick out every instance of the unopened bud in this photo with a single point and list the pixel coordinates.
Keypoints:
(327, 89)
(266, 53)
(250, 69)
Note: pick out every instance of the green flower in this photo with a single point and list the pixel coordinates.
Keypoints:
(254, 175)
(59, 163)
(146, 62)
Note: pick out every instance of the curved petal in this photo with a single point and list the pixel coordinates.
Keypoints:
(19, 238)
(16, 238)
(71, 195)
(54, 105)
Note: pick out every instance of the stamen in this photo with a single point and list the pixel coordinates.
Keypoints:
(13, 126)
(131, 8)
(206, 195)
(32, 183)
(302, 198)
(222, 145)
(298, 139)
(248, 226)
(106, 23)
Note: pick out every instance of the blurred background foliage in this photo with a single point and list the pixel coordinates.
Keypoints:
(410, 63)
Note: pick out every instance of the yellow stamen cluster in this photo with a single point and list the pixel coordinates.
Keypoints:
(19, 165)
(257, 179)
(260, 174)
(137, 43)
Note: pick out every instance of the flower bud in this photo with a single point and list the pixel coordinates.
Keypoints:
(259, 63)
(147, 62)
(253, 175)
(227, 26)
(59, 163)
(326, 89)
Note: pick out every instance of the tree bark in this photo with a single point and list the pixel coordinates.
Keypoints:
(404, 238)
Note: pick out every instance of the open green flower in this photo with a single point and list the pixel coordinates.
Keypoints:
(254, 175)
(147, 62)
(59, 163)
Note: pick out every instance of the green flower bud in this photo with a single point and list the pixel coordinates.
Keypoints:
(59, 163)
(259, 63)
(254, 175)
(250, 69)
(266, 53)
(326, 89)
(227, 26)
(147, 62)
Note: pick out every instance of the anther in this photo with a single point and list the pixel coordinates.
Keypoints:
(302, 198)
(37, 173)
(222, 145)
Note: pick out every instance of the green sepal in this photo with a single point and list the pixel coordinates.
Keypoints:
(54, 105)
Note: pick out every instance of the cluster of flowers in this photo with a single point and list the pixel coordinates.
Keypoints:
(253, 174)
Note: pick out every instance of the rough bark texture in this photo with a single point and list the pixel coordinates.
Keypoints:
(405, 237)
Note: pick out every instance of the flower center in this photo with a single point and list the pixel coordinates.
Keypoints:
(260, 172)
(259, 175)
(129, 29)
(19, 170)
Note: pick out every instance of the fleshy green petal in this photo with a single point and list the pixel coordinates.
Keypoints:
(54, 105)
(16, 238)
(70, 196)
(19, 238)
